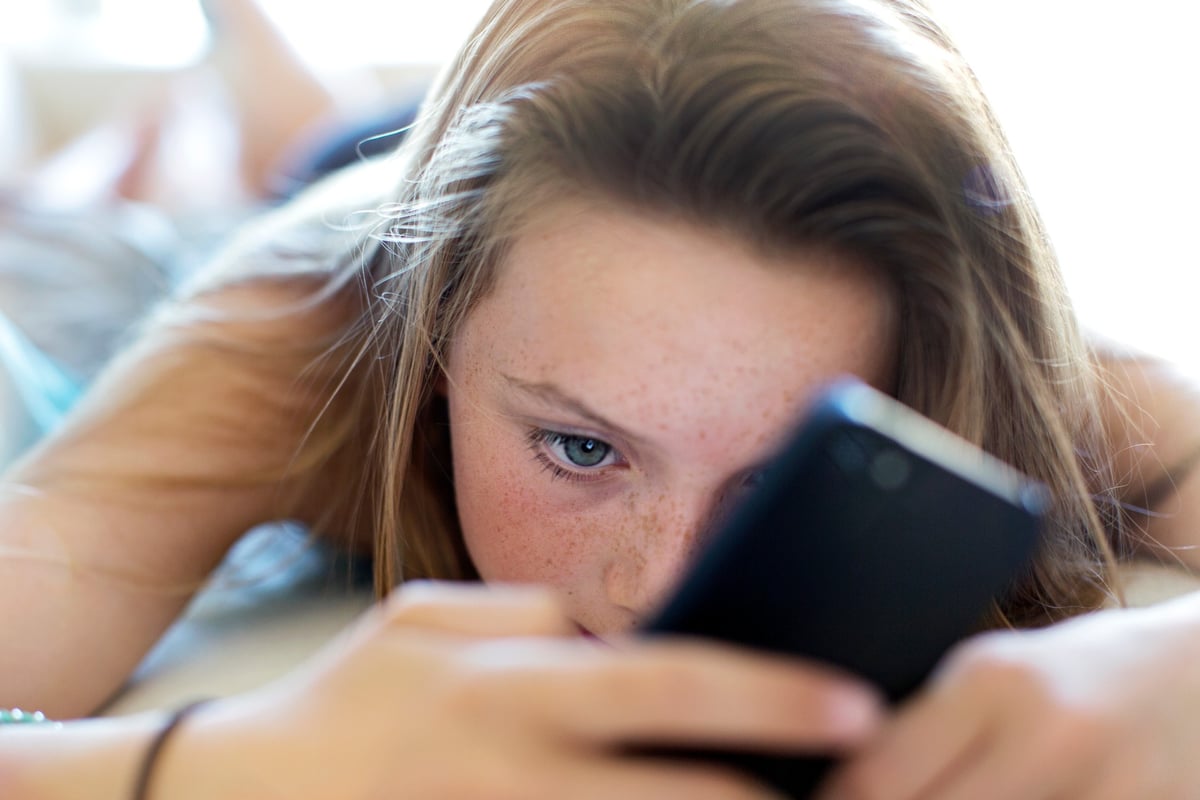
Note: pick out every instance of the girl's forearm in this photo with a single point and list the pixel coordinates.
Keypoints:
(219, 749)
(96, 759)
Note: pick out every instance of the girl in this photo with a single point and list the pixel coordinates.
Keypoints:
(544, 347)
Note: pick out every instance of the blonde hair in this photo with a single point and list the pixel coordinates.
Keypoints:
(849, 124)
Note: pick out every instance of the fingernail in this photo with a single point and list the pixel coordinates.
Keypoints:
(855, 713)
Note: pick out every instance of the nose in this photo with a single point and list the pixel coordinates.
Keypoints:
(652, 556)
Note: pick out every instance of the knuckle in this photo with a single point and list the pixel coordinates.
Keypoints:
(412, 603)
(614, 679)
(1073, 734)
(514, 768)
(479, 701)
(466, 692)
(666, 682)
(543, 609)
(645, 683)
(993, 666)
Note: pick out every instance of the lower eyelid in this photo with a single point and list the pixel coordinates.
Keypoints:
(540, 440)
(560, 472)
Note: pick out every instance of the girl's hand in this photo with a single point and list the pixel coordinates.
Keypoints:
(469, 692)
(1103, 707)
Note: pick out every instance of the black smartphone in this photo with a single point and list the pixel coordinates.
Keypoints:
(875, 541)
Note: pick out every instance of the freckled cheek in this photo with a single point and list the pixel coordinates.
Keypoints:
(515, 528)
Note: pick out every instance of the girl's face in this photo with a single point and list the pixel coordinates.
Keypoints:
(624, 381)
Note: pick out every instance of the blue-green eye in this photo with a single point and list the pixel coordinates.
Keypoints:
(572, 456)
(578, 451)
(584, 452)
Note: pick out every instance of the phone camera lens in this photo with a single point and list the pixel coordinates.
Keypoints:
(848, 453)
(890, 469)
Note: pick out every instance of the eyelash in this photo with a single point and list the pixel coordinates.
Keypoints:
(540, 438)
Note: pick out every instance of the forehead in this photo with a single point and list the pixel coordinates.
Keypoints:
(658, 319)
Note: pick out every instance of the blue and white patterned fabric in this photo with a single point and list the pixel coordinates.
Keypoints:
(44, 387)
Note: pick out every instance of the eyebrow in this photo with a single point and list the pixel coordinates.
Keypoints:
(549, 393)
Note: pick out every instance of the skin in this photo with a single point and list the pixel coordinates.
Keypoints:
(682, 354)
(452, 691)
(494, 677)
(690, 405)
(1072, 711)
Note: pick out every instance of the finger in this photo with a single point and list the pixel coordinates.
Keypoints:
(683, 693)
(1051, 759)
(476, 610)
(996, 768)
(1117, 779)
(925, 744)
(1138, 766)
(663, 780)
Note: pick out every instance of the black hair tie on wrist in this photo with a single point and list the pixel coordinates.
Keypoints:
(141, 790)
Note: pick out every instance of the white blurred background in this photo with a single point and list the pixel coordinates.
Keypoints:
(1099, 99)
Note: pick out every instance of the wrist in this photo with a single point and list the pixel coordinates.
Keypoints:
(84, 760)
(144, 781)
(218, 751)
